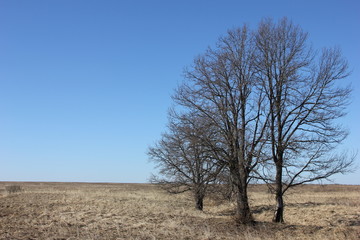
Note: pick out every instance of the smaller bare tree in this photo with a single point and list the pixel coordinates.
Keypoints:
(184, 161)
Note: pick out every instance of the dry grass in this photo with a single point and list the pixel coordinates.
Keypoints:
(143, 211)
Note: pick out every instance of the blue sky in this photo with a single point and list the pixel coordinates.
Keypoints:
(85, 85)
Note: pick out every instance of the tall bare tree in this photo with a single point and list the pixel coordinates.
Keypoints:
(304, 102)
(273, 103)
(221, 87)
(184, 159)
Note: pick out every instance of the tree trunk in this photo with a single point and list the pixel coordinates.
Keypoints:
(243, 213)
(199, 203)
(199, 199)
(279, 213)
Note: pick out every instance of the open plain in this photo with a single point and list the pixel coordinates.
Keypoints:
(144, 211)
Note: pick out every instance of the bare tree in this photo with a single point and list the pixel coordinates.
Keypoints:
(304, 102)
(273, 103)
(185, 162)
(221, 87)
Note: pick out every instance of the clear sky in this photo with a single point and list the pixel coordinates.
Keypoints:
(85, 85)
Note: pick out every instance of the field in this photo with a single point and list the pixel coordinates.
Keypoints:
(143, 211)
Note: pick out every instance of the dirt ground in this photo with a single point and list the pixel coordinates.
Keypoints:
(143, 211)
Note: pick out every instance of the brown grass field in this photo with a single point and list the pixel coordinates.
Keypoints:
(143, 211)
